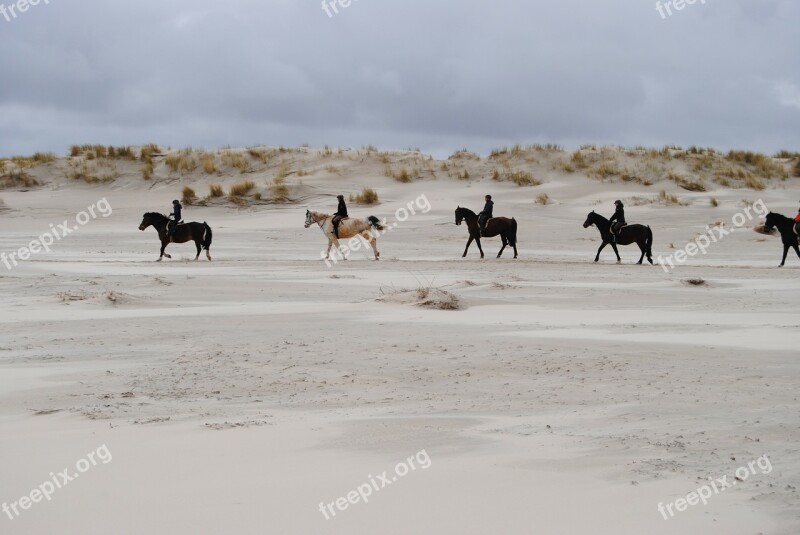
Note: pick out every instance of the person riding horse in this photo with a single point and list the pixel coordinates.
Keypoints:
(176, 215)
(486, 214)
(797, 223)
(618, 219)
(341, 213)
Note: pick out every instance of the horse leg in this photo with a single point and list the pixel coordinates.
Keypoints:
(616, 252)
(785, 252)
(469, 242)
(644, 250)
(603, 246)
(505, 242)
(796, 250)
(163, 254)
(339, 248)
(199, 249)
(373, 242)
(478, 241)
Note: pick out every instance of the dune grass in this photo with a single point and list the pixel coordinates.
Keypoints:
(182, 162)
(147, 170)
(241, 189)
(208, 162)
(278, 190)
(215, 191)
(15, 177)
(189, 197)
(367, 196)
(236, 160)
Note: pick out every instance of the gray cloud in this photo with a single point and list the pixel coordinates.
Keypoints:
(434, 75)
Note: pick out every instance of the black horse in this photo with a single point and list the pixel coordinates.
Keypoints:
(503, 226)
(200, 233)
(786, 227)
(640, 234)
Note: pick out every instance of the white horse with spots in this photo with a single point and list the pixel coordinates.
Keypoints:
(348, 228)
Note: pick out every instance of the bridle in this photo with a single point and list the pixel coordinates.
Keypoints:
(319, 222)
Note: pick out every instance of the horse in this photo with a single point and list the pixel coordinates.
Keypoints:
(640, 234)
(786, 226)
(200, 233)
(503, 226)
(348, 228)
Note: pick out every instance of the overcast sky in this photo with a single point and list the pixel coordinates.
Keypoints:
(433, 74)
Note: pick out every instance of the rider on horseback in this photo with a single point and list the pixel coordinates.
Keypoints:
(176, 215)
(341, 213)
(486, 214)
(797, 223)
(617, 220)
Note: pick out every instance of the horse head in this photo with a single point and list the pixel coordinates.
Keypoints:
(771, 222)
(309, 219)
(150, 218)
(459, 215)
(589, 220)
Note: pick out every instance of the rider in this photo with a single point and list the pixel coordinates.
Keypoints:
(618, 219)
(176, 218)
(341, 213)
(486, 214)
(797, 223)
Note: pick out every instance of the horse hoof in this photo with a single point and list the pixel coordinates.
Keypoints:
(159, 260)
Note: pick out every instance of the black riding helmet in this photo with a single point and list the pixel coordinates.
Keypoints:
(619, 203)
(175, 201)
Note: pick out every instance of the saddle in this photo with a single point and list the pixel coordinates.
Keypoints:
(619, 229)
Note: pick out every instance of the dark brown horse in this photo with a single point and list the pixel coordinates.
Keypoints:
(504, 227)
(786, 227)
(199, 233)
(639, 234)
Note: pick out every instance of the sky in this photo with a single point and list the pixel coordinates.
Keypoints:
(435, 75)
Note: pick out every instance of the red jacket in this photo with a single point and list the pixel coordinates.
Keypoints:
(797, 218)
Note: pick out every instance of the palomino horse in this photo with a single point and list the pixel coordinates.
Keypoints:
(199, 233)
(505, 227)
(640, 234)
(786, 227)
(348, 228)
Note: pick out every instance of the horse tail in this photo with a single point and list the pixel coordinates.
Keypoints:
(375, 222)
(649, 243)
(512, 238)
(206, 236)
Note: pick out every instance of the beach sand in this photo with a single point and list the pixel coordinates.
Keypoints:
(561, 396)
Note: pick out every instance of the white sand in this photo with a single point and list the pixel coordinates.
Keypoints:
(236, 395)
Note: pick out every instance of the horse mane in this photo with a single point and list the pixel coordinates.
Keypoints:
(467, 210)
(320, 214)
(780, 217)
(600, 217)
(156, 215)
